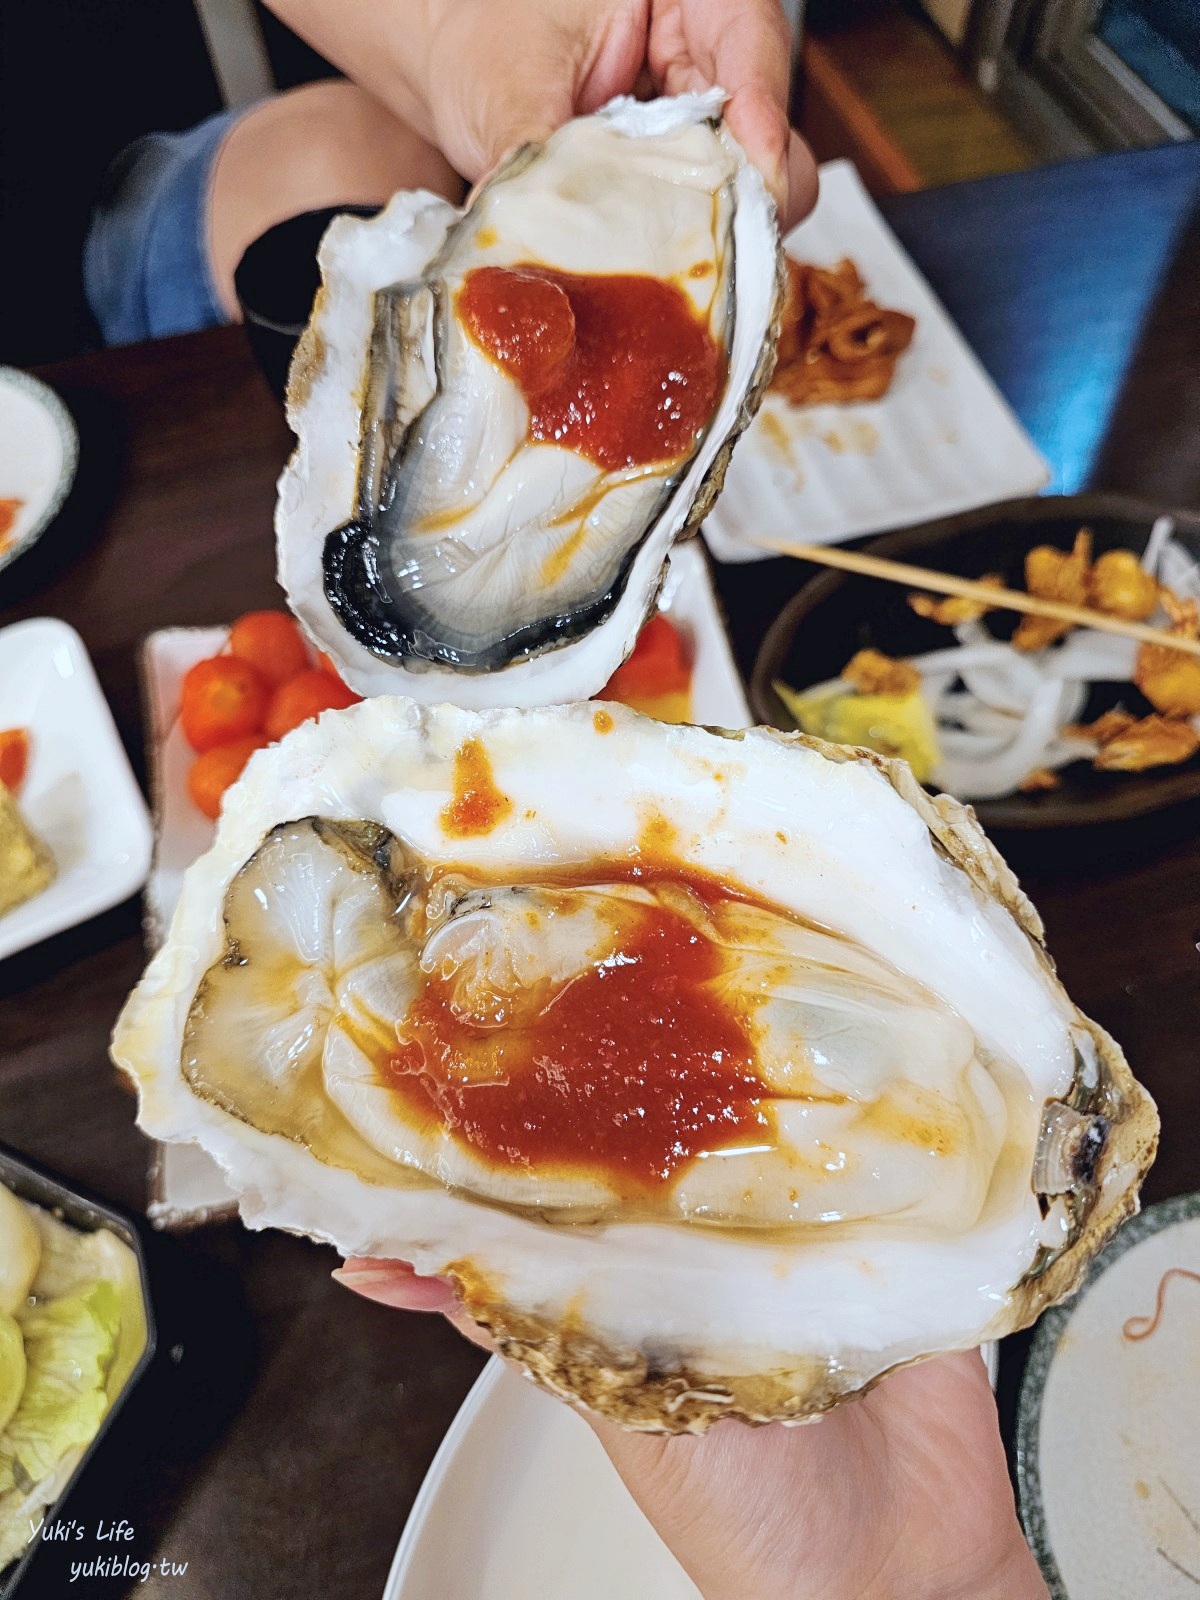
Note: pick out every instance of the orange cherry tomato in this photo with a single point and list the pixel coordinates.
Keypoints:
(304, 696)
(326, 665)
(213, 772)
(223, 699)
(657, 666)
(270, 641)
(14, 757)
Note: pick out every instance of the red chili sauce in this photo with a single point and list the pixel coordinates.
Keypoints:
(629, 1072)
(617, 367)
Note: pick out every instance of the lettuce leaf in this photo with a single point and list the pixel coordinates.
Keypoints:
(79, 1339)
(12, 1368)
(69, 1346)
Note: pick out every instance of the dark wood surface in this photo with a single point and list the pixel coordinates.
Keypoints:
(287, 1426)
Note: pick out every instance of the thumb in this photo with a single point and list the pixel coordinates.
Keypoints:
(757, 122)
(509, 110)
(756, 119)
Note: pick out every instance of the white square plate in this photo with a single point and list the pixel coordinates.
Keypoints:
(79, 795)
(941, 440)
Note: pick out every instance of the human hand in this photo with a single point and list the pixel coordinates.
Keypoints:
(476, 78)
(902, 1495)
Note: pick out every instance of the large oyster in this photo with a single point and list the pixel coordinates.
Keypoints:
(722, 1072)
(506, 416)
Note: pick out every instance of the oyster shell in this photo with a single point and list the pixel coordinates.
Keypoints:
(723, 1073)
(452, 524)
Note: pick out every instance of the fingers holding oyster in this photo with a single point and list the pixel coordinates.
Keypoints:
(506, 416)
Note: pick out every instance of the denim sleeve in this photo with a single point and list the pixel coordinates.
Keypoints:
(146, 268)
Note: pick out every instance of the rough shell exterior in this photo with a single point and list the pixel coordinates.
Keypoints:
(621, 1385)
(317, 489)
(669, 1393)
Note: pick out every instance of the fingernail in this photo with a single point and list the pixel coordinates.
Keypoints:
(777, 183)
(393, 1285)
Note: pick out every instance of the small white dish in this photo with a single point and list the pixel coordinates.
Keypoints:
(39, 450)
(1108, 1430)
(80, 795)
(942, 439)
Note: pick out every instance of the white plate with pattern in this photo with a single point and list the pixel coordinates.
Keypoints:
(39, 450)
(1108, 1432)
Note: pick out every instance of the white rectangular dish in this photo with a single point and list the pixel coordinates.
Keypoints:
(942, 439)
(181, 832)
(186, 1185)
(80, 795)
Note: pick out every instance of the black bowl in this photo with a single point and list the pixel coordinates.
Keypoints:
(275, 282)
(838, 613)
(87, 1213)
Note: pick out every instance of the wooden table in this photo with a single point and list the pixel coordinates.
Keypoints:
(288, 1425)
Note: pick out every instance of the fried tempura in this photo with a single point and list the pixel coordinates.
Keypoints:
(1120, 586)
(1052, 575)
(1169, 679)
(951, 609)
(1104, 728)
(1040, 781)
(1152, 742)
(871, 672)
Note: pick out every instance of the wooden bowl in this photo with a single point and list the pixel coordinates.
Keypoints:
(838, 613)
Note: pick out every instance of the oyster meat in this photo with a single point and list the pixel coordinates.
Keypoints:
(722, 1073)
(506, 416)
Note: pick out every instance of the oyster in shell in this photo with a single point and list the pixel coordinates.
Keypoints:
(722, 1073)
(507, 415)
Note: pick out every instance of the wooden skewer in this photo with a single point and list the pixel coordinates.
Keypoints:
(997, 599)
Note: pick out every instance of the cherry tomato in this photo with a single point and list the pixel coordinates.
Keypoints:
(304, 696)
(223, 699)
(270, 641)
(326, 665)
(657, 666)
(213, 772)
(14, 757)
